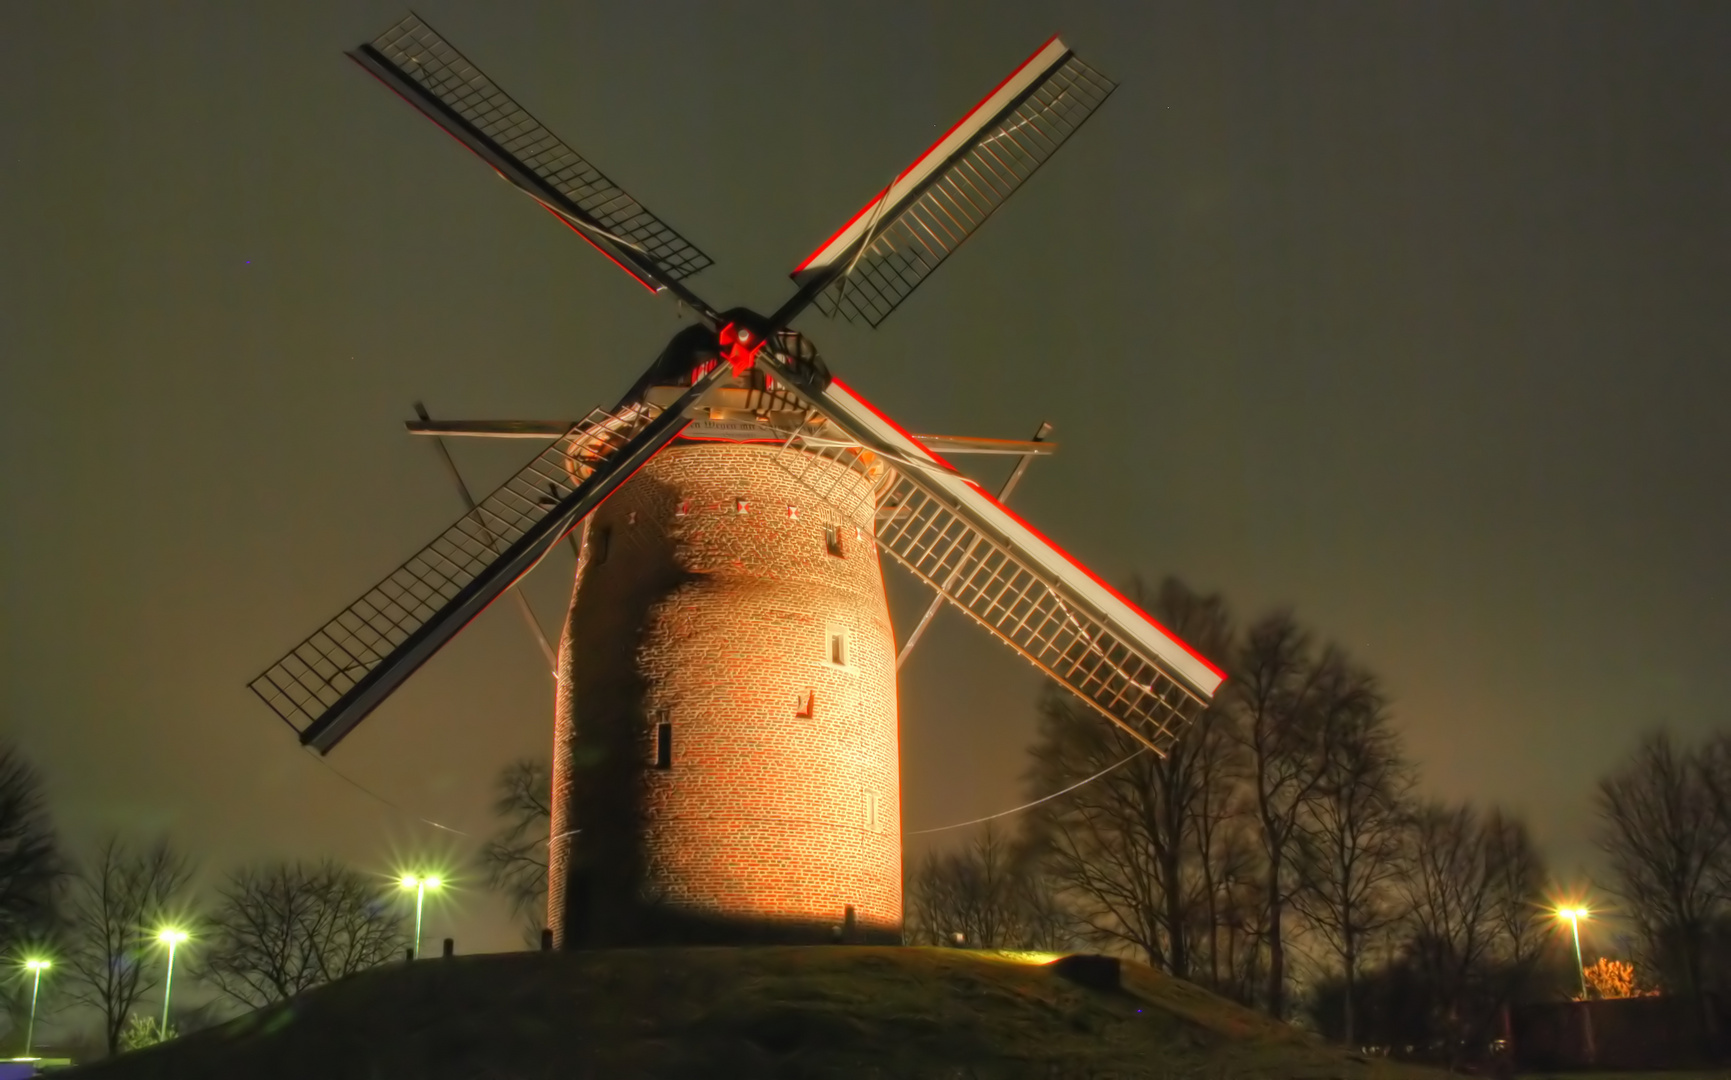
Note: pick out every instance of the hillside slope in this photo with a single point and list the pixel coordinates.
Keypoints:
(750, 1012)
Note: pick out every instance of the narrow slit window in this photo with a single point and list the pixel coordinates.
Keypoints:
(838, 647)
(832, 540)
(871, 811)
(664, 745)
(805, 705)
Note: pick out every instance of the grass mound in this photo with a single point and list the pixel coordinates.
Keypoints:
(746, 1012)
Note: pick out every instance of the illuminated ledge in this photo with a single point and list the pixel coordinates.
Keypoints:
(552, 429)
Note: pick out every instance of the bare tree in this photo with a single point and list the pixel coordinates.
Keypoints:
(1193, 785)
(1714, 767)
(1232, 928)
(515, 857)
(284, 928)
(1284, 693)
(1225, 855)
(1473, 884)
(992, 894)
(1449, 898)
(1352, 837)
(1520, 919)
(30, 866)
(1133, 847)
(1047, 921)
(1661, 826)
(117, 899)
(1095, 837)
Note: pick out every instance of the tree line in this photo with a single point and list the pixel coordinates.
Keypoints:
(265, 932)
(1283, 854)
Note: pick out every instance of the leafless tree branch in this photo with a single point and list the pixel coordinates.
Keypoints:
(284, 928)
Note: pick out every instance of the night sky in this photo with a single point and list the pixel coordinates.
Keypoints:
(1412, 316)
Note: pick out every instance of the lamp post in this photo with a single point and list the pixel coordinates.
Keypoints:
(420, 884)
(171, 938)
(36, 968)
(1575, 915)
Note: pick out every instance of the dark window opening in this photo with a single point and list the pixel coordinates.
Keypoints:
(806, 704)
(598, 544)
(832, 540)
(664, 745)
(838, 648)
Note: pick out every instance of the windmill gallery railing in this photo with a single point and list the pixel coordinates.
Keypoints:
(332, 662)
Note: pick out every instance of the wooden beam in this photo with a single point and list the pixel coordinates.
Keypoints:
(492, 429)
(967, 444)
(552, 429)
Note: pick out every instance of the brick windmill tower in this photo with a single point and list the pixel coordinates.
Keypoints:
(725, 754)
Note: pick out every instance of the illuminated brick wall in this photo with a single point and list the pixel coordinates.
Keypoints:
(710, 602)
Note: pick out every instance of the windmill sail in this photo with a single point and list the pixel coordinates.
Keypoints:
(328, 683)
(412, 59)
(1010, 579)
(895, 241)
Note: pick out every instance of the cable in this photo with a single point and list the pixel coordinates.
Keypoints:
(369, 792)
(1031, 805)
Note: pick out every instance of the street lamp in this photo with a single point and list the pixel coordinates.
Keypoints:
(420, 884)
(36, 968)
(171, 938)
(1575, 915)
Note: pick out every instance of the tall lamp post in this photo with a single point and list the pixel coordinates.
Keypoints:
(36, 968)
(171, 938)
(420, 883)
(1575, 915)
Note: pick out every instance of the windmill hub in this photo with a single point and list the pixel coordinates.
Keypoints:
(742, 335)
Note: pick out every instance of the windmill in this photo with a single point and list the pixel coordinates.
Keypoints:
(725, 758)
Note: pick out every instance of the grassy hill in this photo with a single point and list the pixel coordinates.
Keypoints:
(750, 1012)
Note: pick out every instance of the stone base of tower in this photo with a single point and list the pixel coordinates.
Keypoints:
(725, 758)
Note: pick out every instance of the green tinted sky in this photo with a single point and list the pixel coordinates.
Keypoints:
(1410, 315)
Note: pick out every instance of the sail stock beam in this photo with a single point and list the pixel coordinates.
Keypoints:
(328, 683)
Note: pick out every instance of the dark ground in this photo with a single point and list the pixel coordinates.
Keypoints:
(750, 1012)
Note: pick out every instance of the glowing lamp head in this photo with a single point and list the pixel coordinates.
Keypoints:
(412, 881)
(1572, 914)
(38, 965)
(171, 936)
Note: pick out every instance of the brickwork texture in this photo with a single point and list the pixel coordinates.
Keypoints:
(725, 758)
